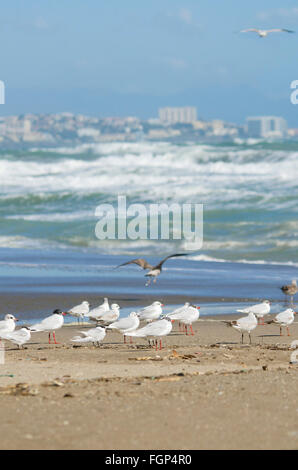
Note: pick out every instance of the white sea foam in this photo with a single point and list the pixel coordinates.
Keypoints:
(156, 170)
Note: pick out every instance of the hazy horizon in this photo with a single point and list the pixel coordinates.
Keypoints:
(131, 58)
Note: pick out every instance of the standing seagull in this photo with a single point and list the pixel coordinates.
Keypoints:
(155, 329)
(290, 289)
(260, 310)
(97, 312)
(154, 271)
(79, 311)
(244, 325)
(110, 316)
(50, 324)
(19, 337)
(8, 324)
(126, 325)
(152, 312)
(264, 32)
(94, 335)
(187, 316)
(284, 318)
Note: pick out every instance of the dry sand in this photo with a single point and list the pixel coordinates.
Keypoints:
(200, 392)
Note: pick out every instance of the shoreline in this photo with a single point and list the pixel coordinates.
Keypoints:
(132, 397)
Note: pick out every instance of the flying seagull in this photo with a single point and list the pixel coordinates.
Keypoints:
(153, 271)
(264, 32)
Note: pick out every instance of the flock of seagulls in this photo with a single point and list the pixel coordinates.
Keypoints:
(255, 317)
(156, 324)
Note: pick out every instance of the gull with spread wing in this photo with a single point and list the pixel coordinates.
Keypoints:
(262, 33)
(153, 271)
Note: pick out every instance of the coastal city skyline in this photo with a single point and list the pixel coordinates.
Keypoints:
(176, 124)
(134, 57)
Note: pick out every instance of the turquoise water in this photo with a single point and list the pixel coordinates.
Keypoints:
(249, 191)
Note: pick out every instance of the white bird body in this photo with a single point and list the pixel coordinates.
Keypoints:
(187, 315)
(260, 310)
(150, 313)
(111, 315)
(190, 315)
(8, 324)
(19, 337)
(244, 324)
(127, 324)
(155, 329)
(175, 315)
(285, 318)
(262, 33)
(79, 311)
(94, 335)
(50, 324)
(97, 312)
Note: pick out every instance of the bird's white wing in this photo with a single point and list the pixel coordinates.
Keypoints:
(21, 335)
(49, 323)
(284, 316)
(249, 30)
(152, 329)
(257, 308)
(79, 339)
(245, 322)
(123, 323)
(279, 30)
(3, 325)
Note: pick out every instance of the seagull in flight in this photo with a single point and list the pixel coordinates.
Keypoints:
(153, 271)
(264, 32)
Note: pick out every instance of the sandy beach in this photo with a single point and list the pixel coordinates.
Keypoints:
(205, 391)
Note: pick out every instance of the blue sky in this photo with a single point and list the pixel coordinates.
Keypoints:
(121, 57)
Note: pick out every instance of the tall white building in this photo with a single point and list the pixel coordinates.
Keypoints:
(266, 126)
(187, 114)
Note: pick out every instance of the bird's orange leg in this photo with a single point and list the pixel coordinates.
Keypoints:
(55, 338)
(191, 330)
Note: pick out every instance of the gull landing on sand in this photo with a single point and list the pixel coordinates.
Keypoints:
(153, 271)
(50, 324)
(262, 33)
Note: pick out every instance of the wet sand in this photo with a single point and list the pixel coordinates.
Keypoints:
(205, 391)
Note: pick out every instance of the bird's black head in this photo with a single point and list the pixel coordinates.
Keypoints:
(58, 311)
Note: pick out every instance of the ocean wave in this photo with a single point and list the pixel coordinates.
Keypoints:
(249, 191)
